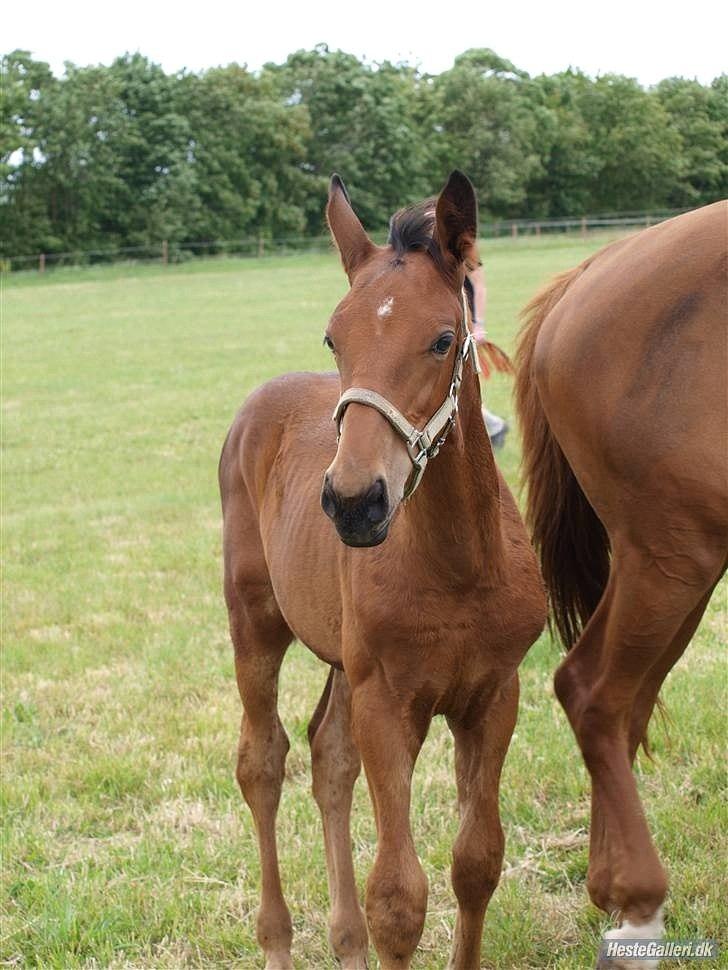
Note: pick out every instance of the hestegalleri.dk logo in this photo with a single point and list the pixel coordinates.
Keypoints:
(659, 950)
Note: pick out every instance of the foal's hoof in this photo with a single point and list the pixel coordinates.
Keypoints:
(278, 961)
(354, 963)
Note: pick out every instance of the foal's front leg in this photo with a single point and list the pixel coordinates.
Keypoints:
(481, 742)
(396, 898)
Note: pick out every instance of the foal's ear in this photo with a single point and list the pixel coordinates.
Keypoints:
(354, 246)
(456, 219)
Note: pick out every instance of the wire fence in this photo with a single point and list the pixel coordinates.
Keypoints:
(167, 252)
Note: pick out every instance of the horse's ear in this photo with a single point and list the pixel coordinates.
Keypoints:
(354, 246)
(456, 219)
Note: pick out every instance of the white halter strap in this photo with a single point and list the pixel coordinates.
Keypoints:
(425, 443)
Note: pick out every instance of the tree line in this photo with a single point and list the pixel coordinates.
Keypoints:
(128, 155)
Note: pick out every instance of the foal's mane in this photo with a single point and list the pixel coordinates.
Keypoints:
(412, 230)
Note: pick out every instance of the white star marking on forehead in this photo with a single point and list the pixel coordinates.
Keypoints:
(385, 307)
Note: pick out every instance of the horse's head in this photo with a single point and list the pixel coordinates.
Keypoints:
(399, 339)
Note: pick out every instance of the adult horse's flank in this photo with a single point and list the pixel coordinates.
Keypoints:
(622, 398)
(434, 620)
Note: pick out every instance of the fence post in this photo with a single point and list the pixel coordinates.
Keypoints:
(538, 228)
(41, 263)
(583, 227)
(514, 230)
(261, 245)
(165, 252)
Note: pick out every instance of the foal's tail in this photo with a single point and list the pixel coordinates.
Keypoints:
(571, 541)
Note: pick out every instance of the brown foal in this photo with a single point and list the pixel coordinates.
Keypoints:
(622, 399)
(420, 607)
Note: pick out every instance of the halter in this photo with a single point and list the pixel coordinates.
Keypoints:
(421, 444)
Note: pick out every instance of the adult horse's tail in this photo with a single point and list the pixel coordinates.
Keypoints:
(571, 541)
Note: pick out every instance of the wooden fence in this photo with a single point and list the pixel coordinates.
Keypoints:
(256, 246)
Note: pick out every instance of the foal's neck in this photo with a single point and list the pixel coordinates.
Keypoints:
(456, 510)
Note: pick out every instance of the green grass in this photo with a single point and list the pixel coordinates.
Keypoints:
(126, 842)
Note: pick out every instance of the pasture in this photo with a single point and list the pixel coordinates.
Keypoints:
(126, 842)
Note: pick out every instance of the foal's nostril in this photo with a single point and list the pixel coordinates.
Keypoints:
(360, 519)
(377, 504)
(328, 499)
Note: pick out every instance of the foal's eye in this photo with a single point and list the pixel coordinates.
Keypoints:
(443, 344)
(328, 342)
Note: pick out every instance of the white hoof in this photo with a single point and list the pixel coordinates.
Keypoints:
(609, 957)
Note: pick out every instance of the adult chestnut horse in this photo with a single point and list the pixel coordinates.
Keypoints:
(621, 393)
(420, 607)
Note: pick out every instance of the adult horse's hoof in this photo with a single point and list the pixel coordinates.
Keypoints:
(605, 964)
(626, 933)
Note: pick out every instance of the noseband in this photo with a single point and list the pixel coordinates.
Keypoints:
(425, 443)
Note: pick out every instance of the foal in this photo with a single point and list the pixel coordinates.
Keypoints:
(420, 607)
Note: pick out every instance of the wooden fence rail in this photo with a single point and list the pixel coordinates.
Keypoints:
(257, 246)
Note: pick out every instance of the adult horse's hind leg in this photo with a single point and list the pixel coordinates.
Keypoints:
(599, 879)
(260, 637)
(607, 685)
(481, 743)
(336, 766)
(601, 869)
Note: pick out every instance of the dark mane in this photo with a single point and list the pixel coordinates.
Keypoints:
(411, 230)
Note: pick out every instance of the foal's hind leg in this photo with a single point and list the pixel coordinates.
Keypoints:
(260, 637)
(336, 766)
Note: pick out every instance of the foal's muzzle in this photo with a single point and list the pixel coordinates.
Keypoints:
(360, 520)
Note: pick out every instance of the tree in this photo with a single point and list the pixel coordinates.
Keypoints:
(365, 124)
(637, 149)
(563, 185)
(127, 155)
(694, 112)
(488, 129)
(247, 153)
(26, 87)
(154, 194)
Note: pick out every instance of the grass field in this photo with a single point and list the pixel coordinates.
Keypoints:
(126, 842)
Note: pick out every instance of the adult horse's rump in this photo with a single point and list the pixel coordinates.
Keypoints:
(621, 391)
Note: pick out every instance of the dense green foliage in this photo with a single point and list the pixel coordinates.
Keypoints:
(127, 155)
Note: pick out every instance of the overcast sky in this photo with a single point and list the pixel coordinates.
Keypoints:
(646, 39)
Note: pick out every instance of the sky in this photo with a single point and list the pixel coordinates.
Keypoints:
(646, 39)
